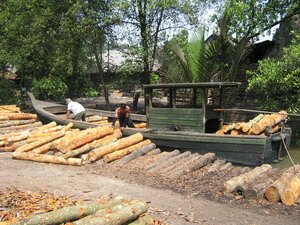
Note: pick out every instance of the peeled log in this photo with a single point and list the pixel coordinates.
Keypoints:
(67, 214)
(137, 153)
(239, 125)
(291, 192)
(204, 160)
(95, 118)
(97, 133)
(268, 121)
(140, 125)
(28, 127)
(98, 153)
(275, 190)
(13, 147)
(41, 142)
(144, 220)
(46, 158)
(118, 214)
(121, 153)
(220, 132)
(247, 177)
(227, 128)
(216, 165)
(236, 132)
(19, 116)
(247, 126)
(16, 122)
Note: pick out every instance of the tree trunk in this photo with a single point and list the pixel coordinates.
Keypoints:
(137, 153)
(275, 190)
(118, 214)
(30, 146)
(46, 158)
(135, 101)
(247, 126)
(98, 153)
(121, 153)
(67, 214)
(291, 191)
(247, 177)
(202, 161)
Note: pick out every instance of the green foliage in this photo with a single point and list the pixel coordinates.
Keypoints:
(49, 88)
(154, 78)
(7, 92)
(89, 92)
(278, 82)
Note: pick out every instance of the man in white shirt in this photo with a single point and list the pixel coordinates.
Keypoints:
(76, 108)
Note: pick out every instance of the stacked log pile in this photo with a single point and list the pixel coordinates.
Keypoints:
(28, 206)
(261, 124)
(264, 181)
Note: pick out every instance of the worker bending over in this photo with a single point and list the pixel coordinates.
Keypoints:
(76, 108)
(123, 114)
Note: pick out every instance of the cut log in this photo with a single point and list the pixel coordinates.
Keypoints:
(123, 152)
(239, 125)
(118, 214)
(3, 117)
(19, 116)
(45, 127)
(16, 123)
(247, 177)
(98, 153)
(169, 162)
(228, 166)
(257, 187)
(291, 191)
(268, 121)
(216, 165)
(13, 147)
(46, 158)
(95, 118)
(140, 125)
(71, 213)
(180, 163)
(220, 132)
(41, 142)
(137, 153)
(9, 108)
(28, 127)
(162, 159)
(91, 135)
(236, 132)
(68, 127)
(21, 137)
(88, 147)
(274, 191)
(144, 220)
(247, 126)
(202, 161)
(227, 128)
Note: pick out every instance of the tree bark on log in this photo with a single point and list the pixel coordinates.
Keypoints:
(91, 135)
(144, 220)
(162, 159)
(216, 165)
(67, 214)
(228, 166)
(204, 160)
(118, 214)
(98, 153)
(123, 152)
(10, 123)
(46, 158)
(275, 190)
(45, 140)
(257, 187)
(291, 191)
(180, 163)
(247, 126)
(268, 121)
(247, 177)
(170, 161)
(139, 152)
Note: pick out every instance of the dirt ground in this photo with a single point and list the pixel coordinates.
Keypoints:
(187, 201)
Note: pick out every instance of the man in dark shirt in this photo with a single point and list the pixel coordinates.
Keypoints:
(123, 114)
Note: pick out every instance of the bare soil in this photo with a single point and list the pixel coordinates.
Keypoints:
(195, 199)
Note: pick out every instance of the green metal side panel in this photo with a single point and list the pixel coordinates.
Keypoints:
(184, 119)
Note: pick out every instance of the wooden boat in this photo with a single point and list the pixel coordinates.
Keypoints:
(188, 121)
